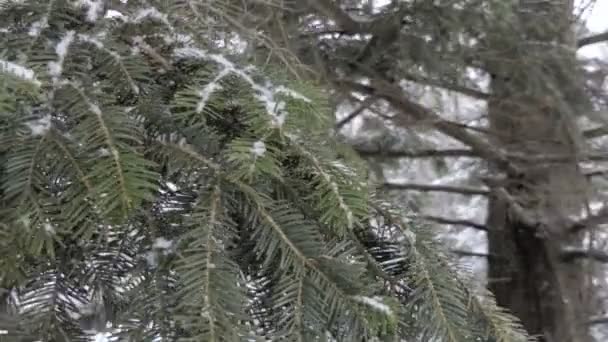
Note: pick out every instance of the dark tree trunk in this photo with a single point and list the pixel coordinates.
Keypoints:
(531, 111)
(545, 293)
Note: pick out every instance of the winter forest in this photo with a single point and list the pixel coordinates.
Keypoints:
(304, 170)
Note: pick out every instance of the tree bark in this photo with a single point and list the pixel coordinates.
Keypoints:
(533, 90)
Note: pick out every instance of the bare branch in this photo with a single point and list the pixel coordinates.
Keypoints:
(591, 221)
(365, 105)
(464, 223)
(438, 188)
(593, 39)
(367, 152)
(596, 132)
(409, 109)
(464, 253)
(598, 320)
(572, 254)
(448, 86)
(469, 254)
(596, 173)
(553, 158)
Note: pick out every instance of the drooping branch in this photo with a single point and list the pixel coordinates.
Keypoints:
(593, 39)
(455, 222)
(463, 190)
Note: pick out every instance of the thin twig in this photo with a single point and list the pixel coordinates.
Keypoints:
(455, 222)
(365, 105)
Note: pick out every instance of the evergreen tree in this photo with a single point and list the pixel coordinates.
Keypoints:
(531, 127)
(154, 187)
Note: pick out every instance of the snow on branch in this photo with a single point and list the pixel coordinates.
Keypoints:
(374, 302)
(151, 13)
(18, 71)
(94, 8)
(117, 59)
(265, 93)
(38, 26)
(61, 49)
(258, 149)
(39, 126)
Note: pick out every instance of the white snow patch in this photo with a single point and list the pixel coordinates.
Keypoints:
(40, 126)
(104, 152)
(162, 243)
(171, 186)
(114, 14)
(38, 26)
(49, 228)
(259, 148)
(292, 93)
(376, 303)
(94, 8)
(86, 38)
(18, 71)
(151, 12)
(95, 109)
(152, 259)
(56, 67)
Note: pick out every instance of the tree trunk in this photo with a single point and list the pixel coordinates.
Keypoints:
(546, 294)
(534, 87)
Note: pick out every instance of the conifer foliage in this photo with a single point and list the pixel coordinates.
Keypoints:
(154, 187)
